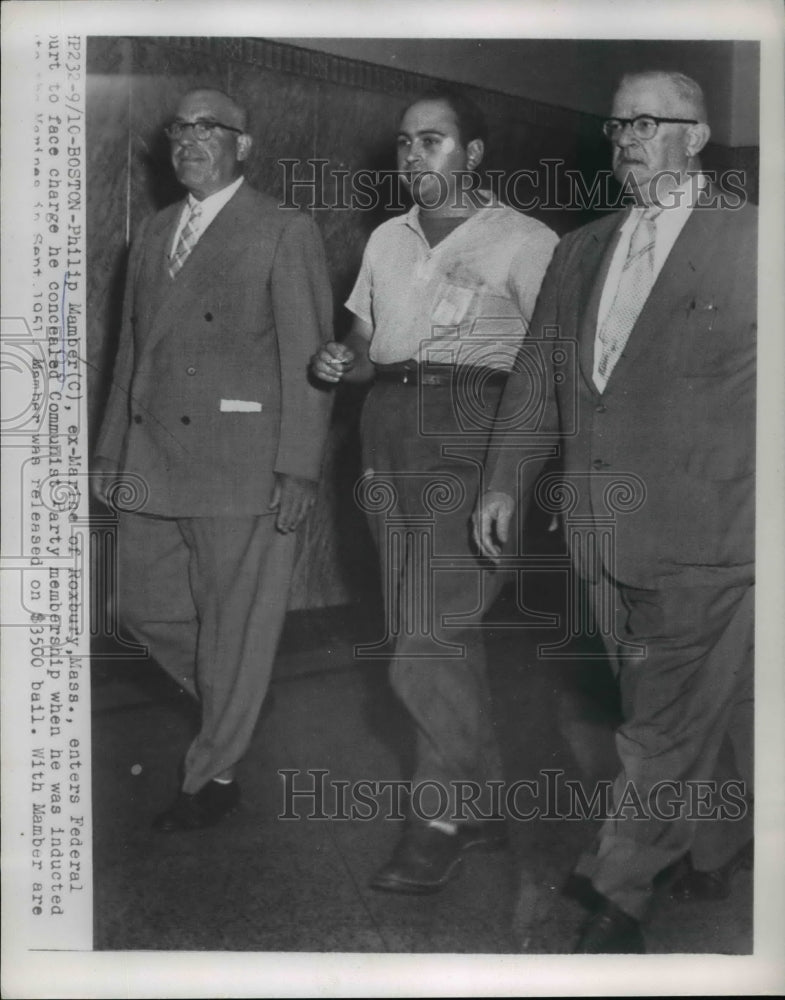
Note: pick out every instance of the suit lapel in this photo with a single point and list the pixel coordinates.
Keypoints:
(225, 236)
(595, 263)
(157, 282)
(676, 280)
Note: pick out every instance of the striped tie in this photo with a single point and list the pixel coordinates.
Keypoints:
(189, 236)
(637, 278)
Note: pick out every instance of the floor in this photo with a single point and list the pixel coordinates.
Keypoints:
(260, 883)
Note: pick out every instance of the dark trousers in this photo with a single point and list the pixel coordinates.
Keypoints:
(207, 596)
(425, 454)
(687, 705)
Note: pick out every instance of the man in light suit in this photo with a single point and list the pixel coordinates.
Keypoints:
(661, 300)
(227, 297)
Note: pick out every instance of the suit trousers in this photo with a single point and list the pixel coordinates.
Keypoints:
(207, 596)
(687, 706)
(427, 468)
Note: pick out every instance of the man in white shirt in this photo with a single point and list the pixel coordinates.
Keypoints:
(212, 415)
(441, 305)
(662, 304)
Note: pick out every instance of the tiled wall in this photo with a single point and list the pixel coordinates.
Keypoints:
(303, 105)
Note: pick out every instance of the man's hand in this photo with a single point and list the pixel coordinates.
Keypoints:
(292, 497)
(491, 523)
(104, 475)
(332, 361)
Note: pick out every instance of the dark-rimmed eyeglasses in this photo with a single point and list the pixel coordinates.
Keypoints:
(643, 126)
(202, 128)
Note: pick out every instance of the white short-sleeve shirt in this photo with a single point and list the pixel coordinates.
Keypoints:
(467, 300)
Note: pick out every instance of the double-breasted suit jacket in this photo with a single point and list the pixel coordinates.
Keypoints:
(210, 396)
(210, 400)
(678, 411)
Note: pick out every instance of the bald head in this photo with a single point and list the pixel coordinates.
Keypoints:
(226, 109)
(206, 166)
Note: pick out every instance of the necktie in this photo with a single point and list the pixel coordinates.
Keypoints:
(189, 236)
(637, 278)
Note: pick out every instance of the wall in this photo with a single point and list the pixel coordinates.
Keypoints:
(304, 104)
(578, 74)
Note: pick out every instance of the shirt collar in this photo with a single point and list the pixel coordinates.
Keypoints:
(679, 201)
(412, 217)
(216, 201)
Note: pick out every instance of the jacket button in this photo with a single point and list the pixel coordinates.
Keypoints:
(137, 419)
(600, 408)
(185, 420)
(208, 317)
(190, 370)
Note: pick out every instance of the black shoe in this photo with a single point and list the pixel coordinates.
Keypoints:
(206, 807)
(714, 885)
(426, 858)
(611, 931)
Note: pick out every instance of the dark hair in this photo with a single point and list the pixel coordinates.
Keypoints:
(470, 119)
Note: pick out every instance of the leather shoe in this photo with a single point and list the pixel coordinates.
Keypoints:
(714, 885)
(204, 808)
(611, 931)
(426, 858)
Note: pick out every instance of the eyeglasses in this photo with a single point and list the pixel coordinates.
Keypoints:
(202, 129)
(643, 126)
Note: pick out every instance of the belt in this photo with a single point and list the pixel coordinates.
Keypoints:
(412, 373)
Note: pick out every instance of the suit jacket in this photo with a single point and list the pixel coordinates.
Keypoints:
(676, 421)
(211, 394)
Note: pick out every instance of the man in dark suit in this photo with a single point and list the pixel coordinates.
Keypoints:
(227, 297)
(661, 300)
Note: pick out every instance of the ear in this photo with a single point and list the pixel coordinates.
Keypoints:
(474, 153)
(244, 143)
(697, 137)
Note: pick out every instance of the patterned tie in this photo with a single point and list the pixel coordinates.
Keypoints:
(189, 236)
(635, 283)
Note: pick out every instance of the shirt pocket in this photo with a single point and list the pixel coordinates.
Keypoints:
(452, 304)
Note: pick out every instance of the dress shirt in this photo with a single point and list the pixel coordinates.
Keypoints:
(210, 206)
(677, 206)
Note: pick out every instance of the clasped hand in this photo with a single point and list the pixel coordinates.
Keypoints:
(332, 361)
